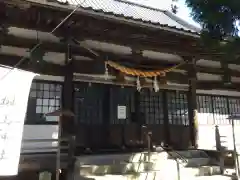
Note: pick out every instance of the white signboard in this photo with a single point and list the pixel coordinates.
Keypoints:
(14, 91)
(121, 112)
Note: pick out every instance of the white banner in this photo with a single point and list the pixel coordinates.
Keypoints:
(14, 92)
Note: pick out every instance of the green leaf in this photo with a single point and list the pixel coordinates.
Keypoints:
(219, 20)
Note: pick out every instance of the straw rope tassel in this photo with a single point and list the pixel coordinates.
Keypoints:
(140, 73)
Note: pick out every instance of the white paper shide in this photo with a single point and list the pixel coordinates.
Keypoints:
(14, 91)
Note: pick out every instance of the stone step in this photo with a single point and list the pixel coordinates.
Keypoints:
(132, 168)
(201, 171)
(188, 154)
(194, 162)
(139, 157)
(192, 158)
(141, 176)
(228, 171)
(216, 177)
(118, 158)
(152, 176)
(186, 171)
(123, 168)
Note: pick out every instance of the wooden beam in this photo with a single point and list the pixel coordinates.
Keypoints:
(83, 67)
(48, 46)
(43, 67)
(79, 28)
(148, 62)
(208, 85)
(160, 46)
(10, 40)
(58, 47)
(101, 80)
(89, 67)
(97, 67)
(36, 11)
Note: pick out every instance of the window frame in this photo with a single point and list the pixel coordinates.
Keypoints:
(29, 121)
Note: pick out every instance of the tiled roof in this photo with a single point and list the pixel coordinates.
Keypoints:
(138, 13)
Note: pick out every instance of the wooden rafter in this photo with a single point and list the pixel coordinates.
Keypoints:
(10, 40)
(101, 29)
(86, 27)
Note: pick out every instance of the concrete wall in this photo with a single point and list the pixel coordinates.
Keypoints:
(42, 138)
(208, 138)
(39, 138)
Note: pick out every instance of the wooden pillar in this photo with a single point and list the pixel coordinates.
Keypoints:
(106, 113)
(136, 113)
(67, 93)
(68, 124)
(166, 121)
(226, 77)
(192, 103)
(138, 119)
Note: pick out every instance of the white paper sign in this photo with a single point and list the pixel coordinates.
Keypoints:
(14, 92)
(122, 112)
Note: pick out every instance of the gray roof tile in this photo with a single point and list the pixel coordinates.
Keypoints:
(136, 12)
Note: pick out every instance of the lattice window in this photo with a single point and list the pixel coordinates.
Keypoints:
(44, 97)
(220, 110)
(151, 107)
(234, 108)
(205, 109)
(88, 103)
(215, 109)
(177, 108)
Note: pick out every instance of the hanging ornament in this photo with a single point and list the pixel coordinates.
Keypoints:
(138, 84)
(155, 84)
(106, 75)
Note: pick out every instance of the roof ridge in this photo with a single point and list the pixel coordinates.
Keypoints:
(181, 21)
(158, 18)
(140, 5)
(166, 12)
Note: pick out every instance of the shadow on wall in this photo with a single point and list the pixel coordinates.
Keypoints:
(39, 138)
(219, 141)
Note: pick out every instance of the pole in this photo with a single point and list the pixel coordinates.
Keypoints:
(235, 151)
(58, 159)
(149, 134)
